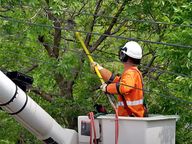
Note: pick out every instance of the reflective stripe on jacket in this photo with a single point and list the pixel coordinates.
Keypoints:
(131, 103)
(130, 86)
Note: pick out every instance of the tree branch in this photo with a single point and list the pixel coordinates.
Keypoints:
(70, 40)
(57, 34)
(31, 68)
(119, 27)
(147, 68)
(108, 31)
(44, 95)
(79, 12)
(47, 47)
(88, 37)
(57, 38)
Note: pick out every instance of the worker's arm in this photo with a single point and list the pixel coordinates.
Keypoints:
(126, 84)
(107, 75)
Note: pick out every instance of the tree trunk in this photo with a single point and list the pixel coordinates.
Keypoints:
(65, 86)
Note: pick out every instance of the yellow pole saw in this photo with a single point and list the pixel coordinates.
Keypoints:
(89, 56)
(96, 68)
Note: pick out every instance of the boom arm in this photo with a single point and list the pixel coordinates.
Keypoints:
(30, 115)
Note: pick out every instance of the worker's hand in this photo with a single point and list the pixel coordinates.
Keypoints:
(103, 87)
(93, 64)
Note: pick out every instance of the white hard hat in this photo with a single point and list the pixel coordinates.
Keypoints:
(132, 49)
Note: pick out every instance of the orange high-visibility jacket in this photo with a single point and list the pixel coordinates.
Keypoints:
(129, 85)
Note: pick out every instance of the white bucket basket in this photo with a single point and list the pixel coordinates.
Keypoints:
(155, 129)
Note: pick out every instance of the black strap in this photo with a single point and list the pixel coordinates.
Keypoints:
(111, 79)
(129, 112)
(50, 141)
(117, 87)
(22, 106)
(14, 96)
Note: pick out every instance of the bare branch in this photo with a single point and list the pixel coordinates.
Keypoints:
(57, 34)
(44, 95)
(70, 40)
(80, 10)
(119, 27)
(108, 31)
(57, 38)
(88, 37)
(147, 68)
(35, 15)
(122, 32)
(47, 47)
(34, 66)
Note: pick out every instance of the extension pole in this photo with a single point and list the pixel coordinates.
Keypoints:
(96, 67)
(89, 56)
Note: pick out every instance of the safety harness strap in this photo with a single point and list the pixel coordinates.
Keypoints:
(126, 106)
(111, 79)
(123, 98)
(117, 87)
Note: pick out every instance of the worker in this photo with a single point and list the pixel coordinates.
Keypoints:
(129, 85)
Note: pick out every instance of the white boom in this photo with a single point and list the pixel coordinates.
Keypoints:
(29, 114)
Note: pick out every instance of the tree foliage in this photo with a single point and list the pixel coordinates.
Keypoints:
(37, 38)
